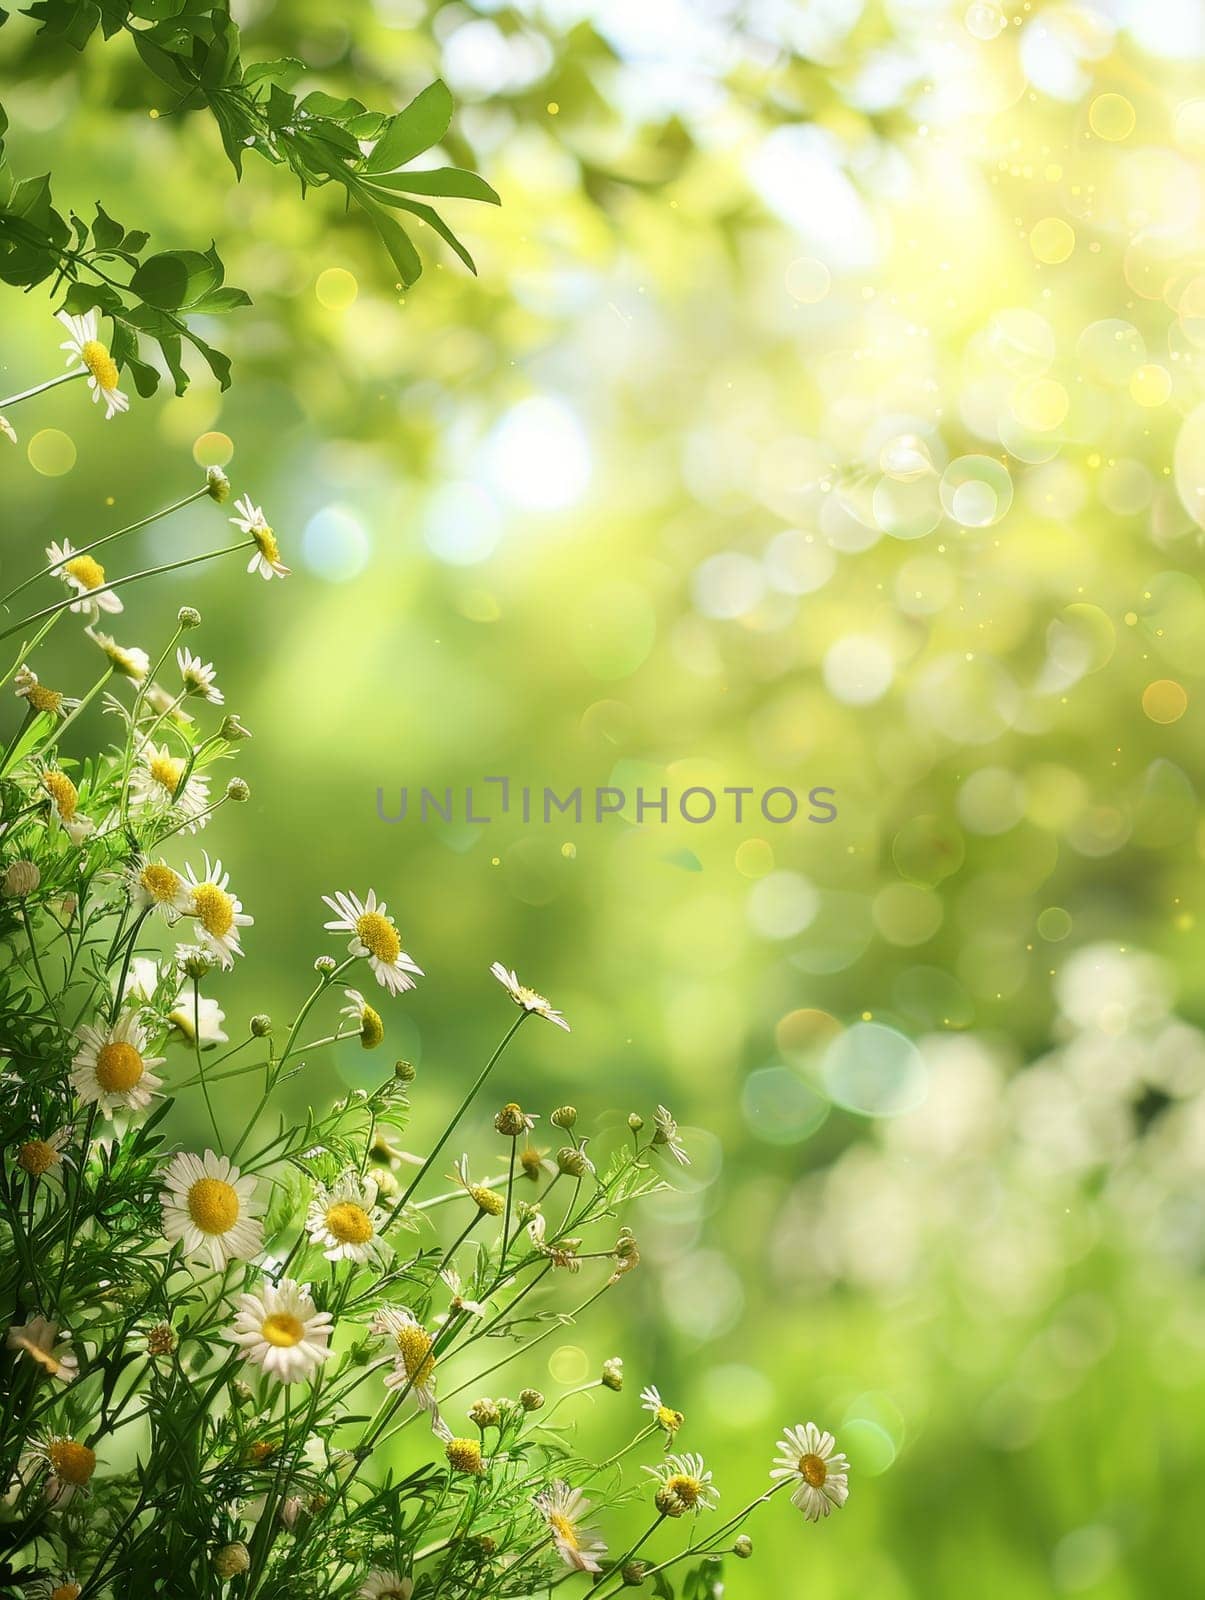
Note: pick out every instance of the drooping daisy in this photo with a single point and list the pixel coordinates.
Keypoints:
(198, 677)
(664, 1416)
(43, 1157)
(130, 660)
(154, 886)
(450, 1276)
(487, 1200)
(345, 1221)
(381, 1584)
(40, 699)
(211, 1209)
(64, 804)
(821, 1471)
(111, 1068)
(85, 577)
(527, 998)
(281, 1330)
(167, 705)
(219, 914)
(413, 1364)
(564, 1510)
(373, 936)
(683, 1484)
(266, 560)
(82, 344)
(156, 781)
(368, 1021)
(193, 1016)
(665, 1137)
(39, 1339)
(68, 1465)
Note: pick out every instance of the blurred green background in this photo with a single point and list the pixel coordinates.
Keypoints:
(827, 411)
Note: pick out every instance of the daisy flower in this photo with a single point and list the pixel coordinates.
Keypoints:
(381, 1584)
(345, 1221)
(38, 697)
(368, 1022)
(664, 1416)
(210, 1209)
(195, 1018)
(414, 1364)
(374, 936)
(68, 1465)
(39, 1339)
(281, 1330)
(525, 997)
(154, 886)
(266, 560)
(219, 914)
(129, 660)
(64, 804)
(198, 677)
(683, 1484)
(83, 345)
(62, 1588)
(821, 1472)
(665, 1137)
(564, 1510)
(156, 781)
(111, 1069)
(43, 1157)
(167, 705)
(85, 577)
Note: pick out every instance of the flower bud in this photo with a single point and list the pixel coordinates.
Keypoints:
(573, 1161)
(230, 1560)
(635, 1122)
(668, 1502)
(487, 1545)
(242, 1392)
(633, 1574)
(404, 1071)
(217, 484)
(325, 965)
(531, 1399)
(20, 878)
(464, 1455)
(161, 1340)
(232, 730)
(194, 961)
(188, 617)
(261, 1025)
(612, 1373)
(743, 1547)
(238, 789)
(564, 1117)
(484, 1414)
(511, 1121)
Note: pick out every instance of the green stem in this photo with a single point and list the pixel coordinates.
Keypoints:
(41, 388)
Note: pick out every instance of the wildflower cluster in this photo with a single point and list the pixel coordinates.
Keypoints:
(252, 1364)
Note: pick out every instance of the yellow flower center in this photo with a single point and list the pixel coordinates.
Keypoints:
(414, 1345)
(262, 1450)
(213, 1205)
(283, 1329)
(372, 1029)
(89, 574)
(686, 1488)
(160, 881)
(71, 1461)
(37, 1156)
(563, 1528)
(118, 1066)
(671, 1421)
(265, 541)
(464, 1455)
(43, 699)
(349, 1223)
(213, 909)
(529, 1160)
(100, 363)
(63, 792)
(167, 771)
(487, 1200)
(379, 937)
(65, 1591)
(813, 1470)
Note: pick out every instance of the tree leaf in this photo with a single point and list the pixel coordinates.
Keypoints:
(420, 125)
(453, 182)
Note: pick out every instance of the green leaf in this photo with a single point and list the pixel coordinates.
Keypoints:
(397, 241)
(162, 280)
(106, 233)
(420, 125)
(433, 220)
(453, 182)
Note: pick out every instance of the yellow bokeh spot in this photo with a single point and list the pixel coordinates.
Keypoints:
(568, 1364)
(754, 858)
(1150, 385)
(1111, 116)
(212, 449)
(1041, 404)
(553, 108)
(336, 288)
(51, 452)
(1165, 700)
(808, 280)
(1052, 240)
(569, 850)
